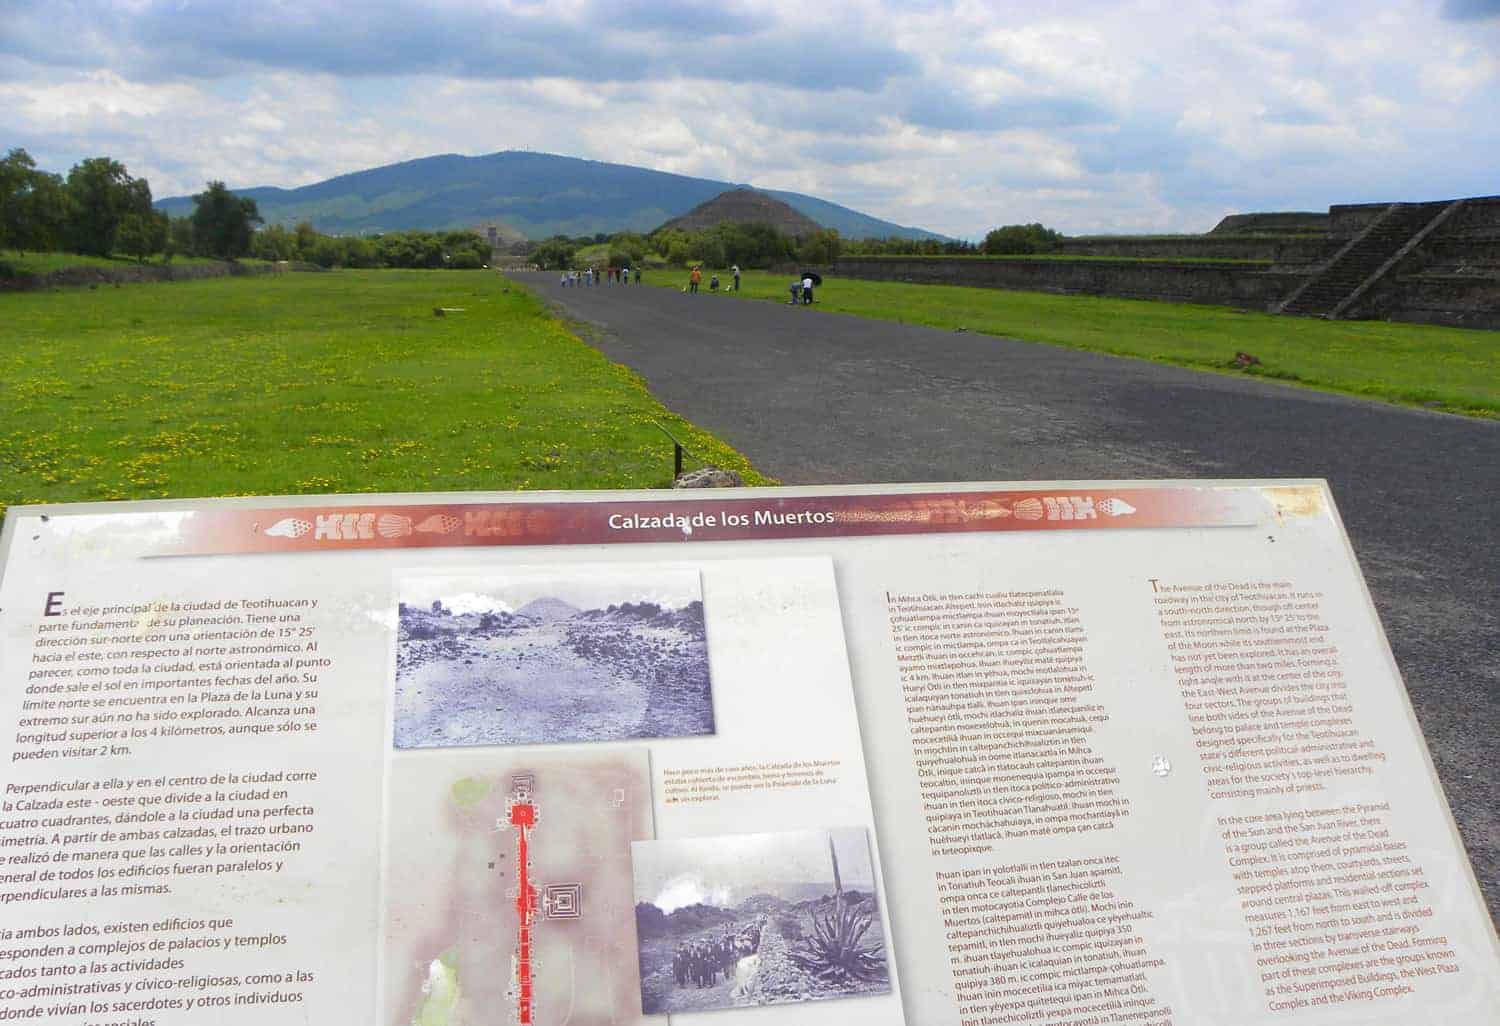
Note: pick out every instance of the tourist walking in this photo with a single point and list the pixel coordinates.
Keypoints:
(735, 270)
(807, 287)
(694, 279)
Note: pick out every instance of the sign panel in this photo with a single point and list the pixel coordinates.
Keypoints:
(1075, 754)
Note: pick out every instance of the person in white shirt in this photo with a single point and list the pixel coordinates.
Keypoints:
(807, 286)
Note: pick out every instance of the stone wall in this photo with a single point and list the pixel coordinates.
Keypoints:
(135, 274)
(1218, 284)
(1217, 247)
(1301, 254)
(1468, 241)
(1347, 220)
(777, 979)
(1455, 300)
(1274, 223)
(1452, 278)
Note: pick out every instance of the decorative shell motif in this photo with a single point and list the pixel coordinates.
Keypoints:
(439, 523)
(393, 525)
(986, 509)
(1114, 507)
(290, 527)
(1028, 509)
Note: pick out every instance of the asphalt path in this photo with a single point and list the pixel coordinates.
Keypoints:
(816, 398)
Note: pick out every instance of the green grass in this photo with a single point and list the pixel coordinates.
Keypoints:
(304, 383)
(1067, 258)
(12, 262)
(1402, 363)
(596, 255)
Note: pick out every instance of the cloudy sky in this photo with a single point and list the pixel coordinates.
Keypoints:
(584, 587)
(726, 870)
(1125, 115)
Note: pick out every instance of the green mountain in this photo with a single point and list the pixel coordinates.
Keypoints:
(539, 193)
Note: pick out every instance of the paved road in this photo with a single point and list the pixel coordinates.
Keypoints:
(816, 398)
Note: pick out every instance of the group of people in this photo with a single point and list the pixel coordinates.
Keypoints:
(695, 278)
(589, 276)
(700, 963)
(802, 288)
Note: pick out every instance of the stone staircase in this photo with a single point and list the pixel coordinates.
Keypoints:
(1364, 260)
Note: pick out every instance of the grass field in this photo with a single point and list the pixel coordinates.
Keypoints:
(301, 383)
(1404, 363)
(1071, 258)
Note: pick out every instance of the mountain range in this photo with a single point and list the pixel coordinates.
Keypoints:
(540, 194)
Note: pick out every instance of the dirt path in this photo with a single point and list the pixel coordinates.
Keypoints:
(824, 398)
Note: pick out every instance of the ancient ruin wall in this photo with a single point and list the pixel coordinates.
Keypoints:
(1274, 223)
(1452, 278)
(1218, 284)
(1213, 247)
(132, 274)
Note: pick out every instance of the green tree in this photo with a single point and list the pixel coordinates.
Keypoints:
(223, 223)
(323, 251)
(307, 237)
(101, 192)
(554, 254)
(136, 236)
(1021, 238)
(821, 247)
(180, 237)
(627, 249)
(465, 250)
(33, 204)
(357, 252)
(273, 242)
(707, 248)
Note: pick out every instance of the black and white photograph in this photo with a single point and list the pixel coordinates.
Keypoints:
(757, 919)
(543, 655)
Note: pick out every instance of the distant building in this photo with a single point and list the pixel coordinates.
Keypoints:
(503, 238)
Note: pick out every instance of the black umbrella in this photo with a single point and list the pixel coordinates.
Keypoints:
(817, 279)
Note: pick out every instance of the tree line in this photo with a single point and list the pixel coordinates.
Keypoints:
(100, 209)
(1007, 240)
(762, 246)
(454, 250)
(747, 245)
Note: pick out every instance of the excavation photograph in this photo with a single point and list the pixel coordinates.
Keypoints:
(757, 919)
(541, 655)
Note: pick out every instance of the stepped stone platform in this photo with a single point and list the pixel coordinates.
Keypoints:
(1300, 222)
(1428, 262)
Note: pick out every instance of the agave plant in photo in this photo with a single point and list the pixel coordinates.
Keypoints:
(837, 951)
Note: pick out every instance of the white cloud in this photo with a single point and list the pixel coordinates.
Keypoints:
(1131, 116)
(690, 889)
